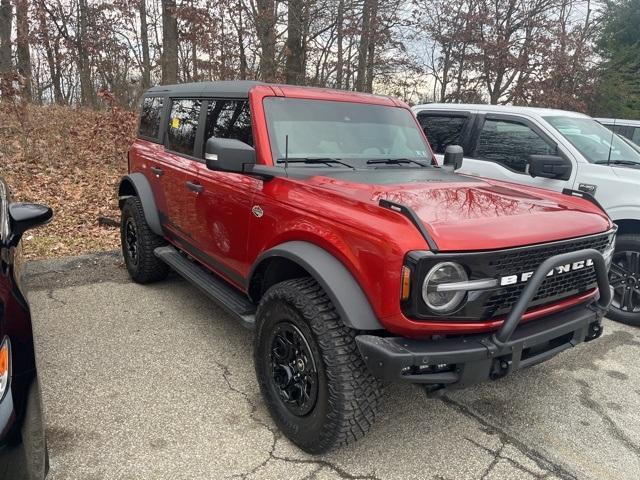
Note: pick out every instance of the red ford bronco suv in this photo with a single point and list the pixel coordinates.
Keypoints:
(320, 219)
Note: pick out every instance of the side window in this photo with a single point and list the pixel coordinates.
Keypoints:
(229, 119)
(635, 138)
(510, 144)
(150, 114)
(183, 125)
(442, 131)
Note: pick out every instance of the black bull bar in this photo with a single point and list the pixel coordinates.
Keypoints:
(457, 362)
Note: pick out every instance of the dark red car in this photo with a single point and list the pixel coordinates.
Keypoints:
(23, 448)
(319, 218)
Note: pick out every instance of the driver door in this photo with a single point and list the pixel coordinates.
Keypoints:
(501, 150)
(224, 206)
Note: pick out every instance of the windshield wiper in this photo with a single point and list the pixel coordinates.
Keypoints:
(314, 161)
(617, 162)
(396, 161)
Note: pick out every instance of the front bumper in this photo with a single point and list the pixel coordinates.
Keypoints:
(462, 361)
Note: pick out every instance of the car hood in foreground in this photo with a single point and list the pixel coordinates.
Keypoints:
(468, 213)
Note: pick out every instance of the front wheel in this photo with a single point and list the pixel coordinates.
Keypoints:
(624, 277)
(138, 244)
(314, 381)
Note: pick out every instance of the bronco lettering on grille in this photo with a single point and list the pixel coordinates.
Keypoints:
(559, 270)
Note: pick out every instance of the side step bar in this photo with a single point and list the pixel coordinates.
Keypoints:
(233, 301)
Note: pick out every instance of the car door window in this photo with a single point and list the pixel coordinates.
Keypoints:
(510, 144)
(635, 138)
(443, 130)
(229, 119)
(183, 125)
(150, 114)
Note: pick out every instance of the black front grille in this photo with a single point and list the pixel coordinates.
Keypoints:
(553, 288)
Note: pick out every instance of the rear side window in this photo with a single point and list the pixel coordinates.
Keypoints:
(510, 144)
(183, 125)
(635, 138)
(150, 114)
(442, 131)
(229, 119)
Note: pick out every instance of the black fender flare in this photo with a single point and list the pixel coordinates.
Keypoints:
(138, 185)
(342, 288)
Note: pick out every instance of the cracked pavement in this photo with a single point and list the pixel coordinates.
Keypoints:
(157, 382)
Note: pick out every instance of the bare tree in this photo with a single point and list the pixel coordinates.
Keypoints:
(22, 46)
(144, 44)
(265, 15)
(6, 21)
(297, 25)
(169, 42)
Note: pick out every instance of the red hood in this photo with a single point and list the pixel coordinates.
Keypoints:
(480, 214)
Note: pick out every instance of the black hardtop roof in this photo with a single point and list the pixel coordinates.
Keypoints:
(231, 89)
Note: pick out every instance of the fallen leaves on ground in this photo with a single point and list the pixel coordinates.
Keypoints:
(72, 160)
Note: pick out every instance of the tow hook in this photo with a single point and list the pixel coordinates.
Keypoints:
(595, 330)
(500, 368)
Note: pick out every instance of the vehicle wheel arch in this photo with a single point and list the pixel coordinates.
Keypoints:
(295, 259)
(628, 225)
(137, 185)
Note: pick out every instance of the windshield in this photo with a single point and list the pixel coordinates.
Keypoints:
(594, 141)
(353, 133)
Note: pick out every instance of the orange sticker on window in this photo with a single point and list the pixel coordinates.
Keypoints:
(175, 123)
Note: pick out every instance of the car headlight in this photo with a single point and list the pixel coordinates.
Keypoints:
(444, 301)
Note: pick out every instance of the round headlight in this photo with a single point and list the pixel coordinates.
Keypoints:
(444, 302)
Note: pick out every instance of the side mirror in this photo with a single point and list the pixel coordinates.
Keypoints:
(453, 156)
(25, 216)
(550, 166)
(228, 155)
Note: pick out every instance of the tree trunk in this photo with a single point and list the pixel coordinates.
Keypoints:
(243, 55)
(169, 42)
(22, 47)
(340, 39)
(87, 96)
(371, 45)
(144, 40)
(265, 22)
(294, 62)
(52, 57)
(6, 20)
(363, 48)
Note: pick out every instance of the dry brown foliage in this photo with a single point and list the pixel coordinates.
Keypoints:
(70, 159)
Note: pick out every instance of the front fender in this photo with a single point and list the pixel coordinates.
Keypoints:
(136, 184)
(341, 287)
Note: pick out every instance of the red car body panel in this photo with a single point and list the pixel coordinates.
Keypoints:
(344, 218)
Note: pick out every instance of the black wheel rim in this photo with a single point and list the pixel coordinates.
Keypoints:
(131, 240)
(293, 369)
(624, 277)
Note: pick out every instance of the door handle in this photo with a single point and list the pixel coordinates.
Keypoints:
(195, 187)
(157, 171)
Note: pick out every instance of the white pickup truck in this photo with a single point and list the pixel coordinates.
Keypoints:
(556, 150)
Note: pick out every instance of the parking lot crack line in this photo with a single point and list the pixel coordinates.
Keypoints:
(226, 374)
(587, 401)
(497, 456)
(51, 296)
(540, 460)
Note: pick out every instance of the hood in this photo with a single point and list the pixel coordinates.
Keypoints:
(464, 213)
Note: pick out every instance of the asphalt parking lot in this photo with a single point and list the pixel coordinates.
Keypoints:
(157, 382)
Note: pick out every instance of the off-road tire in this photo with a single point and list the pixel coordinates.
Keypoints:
(626, 242)
(348, 396)
(147, 268)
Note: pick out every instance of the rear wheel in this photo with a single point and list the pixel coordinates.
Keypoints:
(138, 243)
(624, 277)
(315, 383)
